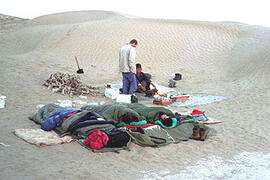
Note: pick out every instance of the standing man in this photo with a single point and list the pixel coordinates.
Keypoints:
(127, 67)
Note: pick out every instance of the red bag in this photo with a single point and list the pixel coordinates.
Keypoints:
(96, 140)
(196, 111)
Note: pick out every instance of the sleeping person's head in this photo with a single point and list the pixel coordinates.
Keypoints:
(128, 118)
(165, 119)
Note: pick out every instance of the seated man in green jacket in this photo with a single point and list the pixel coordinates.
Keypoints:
(144, 81)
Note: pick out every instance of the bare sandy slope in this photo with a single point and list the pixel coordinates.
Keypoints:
(224, 59)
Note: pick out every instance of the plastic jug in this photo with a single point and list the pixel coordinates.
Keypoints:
(111, 93)
(2, 102)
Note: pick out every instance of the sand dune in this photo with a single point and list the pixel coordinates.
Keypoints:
(73, 17)
(227, 59)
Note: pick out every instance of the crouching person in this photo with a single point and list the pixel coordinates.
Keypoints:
(144, 81)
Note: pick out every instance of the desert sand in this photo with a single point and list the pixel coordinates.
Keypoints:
(217, 58)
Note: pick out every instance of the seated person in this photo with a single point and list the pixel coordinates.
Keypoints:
(143, 80)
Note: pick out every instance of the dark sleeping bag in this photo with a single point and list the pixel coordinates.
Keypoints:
(117, 138)
(90, 118)
(91, 122)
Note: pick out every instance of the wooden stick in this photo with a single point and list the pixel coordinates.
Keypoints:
(77, 62)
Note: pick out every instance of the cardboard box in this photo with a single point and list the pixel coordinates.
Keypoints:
(179, 98)
(162, 102)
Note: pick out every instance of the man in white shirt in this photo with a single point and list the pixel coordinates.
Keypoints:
(127, 66)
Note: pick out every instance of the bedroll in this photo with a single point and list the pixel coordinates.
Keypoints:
(117, 138)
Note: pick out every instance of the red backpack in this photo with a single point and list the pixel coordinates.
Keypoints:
(96, 140)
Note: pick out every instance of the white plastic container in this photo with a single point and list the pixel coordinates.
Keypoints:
(2, 102)
(64, 103)
(102, 103)
(111, 93)
(124, 98)
(92, 104)
(39, 106)
(83, 97)
(79, 102)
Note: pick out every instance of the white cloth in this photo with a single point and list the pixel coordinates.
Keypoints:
(199, 99)
(127, 56)
(39, 137)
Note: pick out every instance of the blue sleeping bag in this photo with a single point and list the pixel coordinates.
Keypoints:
(55, 119)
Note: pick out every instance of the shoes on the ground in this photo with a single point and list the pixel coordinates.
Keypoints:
(171, 83)
(196, 134)
(177, 77)
(202, 134)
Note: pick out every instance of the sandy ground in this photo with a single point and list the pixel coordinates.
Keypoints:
(223, 59)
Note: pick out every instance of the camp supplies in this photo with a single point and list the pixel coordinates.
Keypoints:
(189, 120)
(162, 102)
(79, 71)
(96, 140)
(150, 93)
(127, 98)
(160, 99)
(124, 98)
(179, 98)
(64, 103)
(198, 134)
(134, 98)
(108, 85)
(177, 77)
(2, 102)
(111, 93)
(199, 115)
(202, 134)
(171, 83)
(117, 138)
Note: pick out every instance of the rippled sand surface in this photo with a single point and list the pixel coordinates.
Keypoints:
(222, 59)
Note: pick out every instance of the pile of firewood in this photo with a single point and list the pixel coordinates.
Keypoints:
(65, 83)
